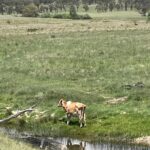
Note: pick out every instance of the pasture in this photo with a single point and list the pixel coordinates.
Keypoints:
(90, 61)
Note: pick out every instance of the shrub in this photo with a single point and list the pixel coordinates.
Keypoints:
(30, 10)
(62, 16)
(53, 36)
(46, 15)
(143, 11)
(67, 16)
(8, 22)
(32, 30)
(86, 16)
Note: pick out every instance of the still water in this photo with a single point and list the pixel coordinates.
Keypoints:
(63, 143)
(75, 144)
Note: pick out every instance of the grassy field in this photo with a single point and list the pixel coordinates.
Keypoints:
(43, 60)
(7, 144)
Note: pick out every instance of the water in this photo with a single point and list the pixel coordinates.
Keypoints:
(101, 145)
(50, 143)
(75, 144)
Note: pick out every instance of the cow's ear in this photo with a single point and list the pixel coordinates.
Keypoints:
(61, 101)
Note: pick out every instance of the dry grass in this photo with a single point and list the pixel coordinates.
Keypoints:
(19, 25)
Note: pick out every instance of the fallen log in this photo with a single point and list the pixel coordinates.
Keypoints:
(17, 114)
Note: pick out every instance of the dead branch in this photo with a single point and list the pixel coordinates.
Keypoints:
(17, 114)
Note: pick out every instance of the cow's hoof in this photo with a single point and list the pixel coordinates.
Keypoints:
(81, 126)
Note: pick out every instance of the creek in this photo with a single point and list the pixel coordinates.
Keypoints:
(64, 143)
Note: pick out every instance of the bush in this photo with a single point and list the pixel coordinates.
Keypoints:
(86, 16)
(46, 15)
(62, 16)
(66, 16)
(30, 10)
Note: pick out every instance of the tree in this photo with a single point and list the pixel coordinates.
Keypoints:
(111, 6)
(126, 5)
(148, 16)
(143, 6)
(73, 12)
(98, 8)
(86, 7)
(30, 10)
(10, 9)
(19, 6)
(2, 8)
(12, 116)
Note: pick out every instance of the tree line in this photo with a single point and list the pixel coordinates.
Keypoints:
(19, 6)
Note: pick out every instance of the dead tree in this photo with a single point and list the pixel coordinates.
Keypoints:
(17, 114)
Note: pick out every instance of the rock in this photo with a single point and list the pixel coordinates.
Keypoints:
(117, 100)
(135, 85)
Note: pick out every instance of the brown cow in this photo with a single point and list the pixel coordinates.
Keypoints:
(74, 109)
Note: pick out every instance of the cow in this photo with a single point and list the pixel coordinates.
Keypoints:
(74, 109)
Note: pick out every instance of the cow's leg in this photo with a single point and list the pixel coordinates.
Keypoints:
(69, 142)
(42, 143)
(84, 119)
(80, 118)
(68, 118)
(81, 122)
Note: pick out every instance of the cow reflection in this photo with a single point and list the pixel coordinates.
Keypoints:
(47, 145)
(80, 146)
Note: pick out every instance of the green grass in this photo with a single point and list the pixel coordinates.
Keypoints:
(83, 66)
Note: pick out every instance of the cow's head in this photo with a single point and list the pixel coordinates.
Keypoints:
(61, 103)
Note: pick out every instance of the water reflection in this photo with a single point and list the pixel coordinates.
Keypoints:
(79, 146)
(100, 146)
(53, 144)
